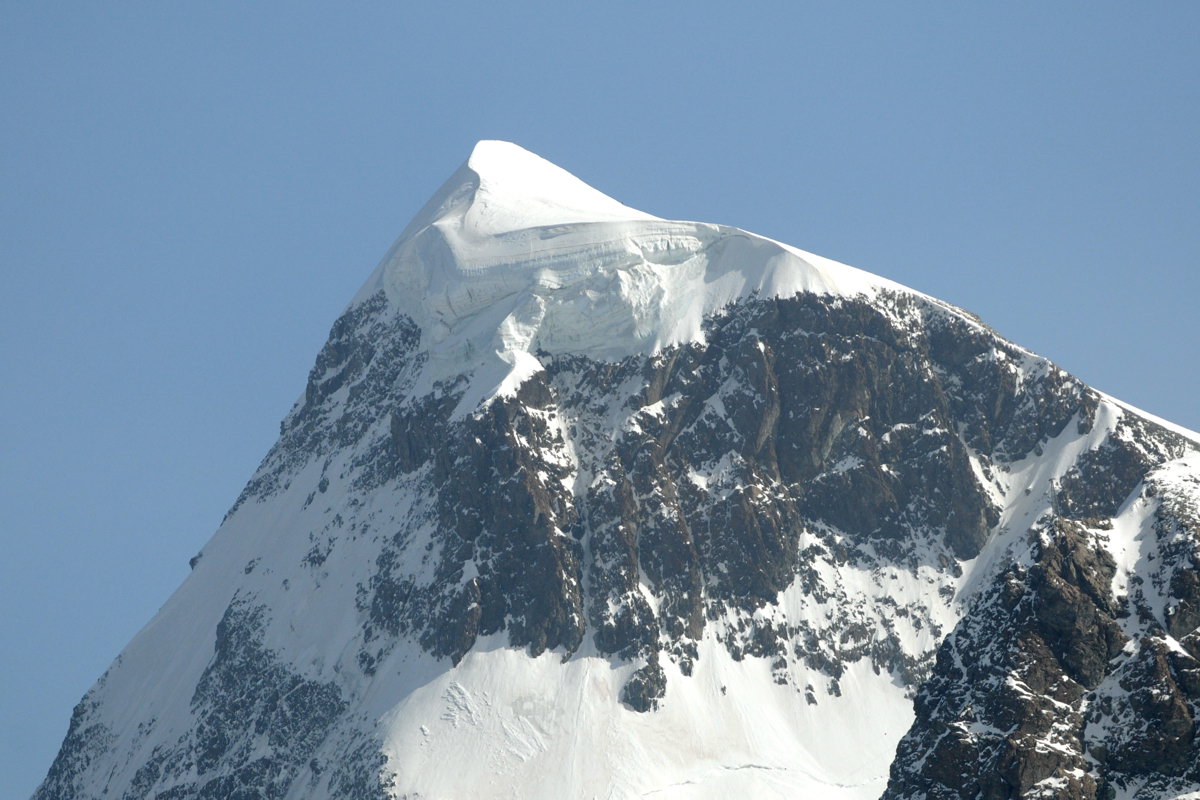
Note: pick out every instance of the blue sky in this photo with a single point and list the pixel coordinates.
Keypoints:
(190, 193)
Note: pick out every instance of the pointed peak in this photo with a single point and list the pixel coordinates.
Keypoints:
(509, 170)
(503, 187)
(490, 156)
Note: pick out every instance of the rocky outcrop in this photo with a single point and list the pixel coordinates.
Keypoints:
(1002, 714)
(1055, 685)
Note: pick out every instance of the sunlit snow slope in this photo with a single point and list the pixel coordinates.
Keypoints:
(580, 502)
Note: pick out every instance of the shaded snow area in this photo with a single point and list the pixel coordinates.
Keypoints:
(583, 503)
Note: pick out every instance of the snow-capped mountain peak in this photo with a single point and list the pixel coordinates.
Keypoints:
(579, 502)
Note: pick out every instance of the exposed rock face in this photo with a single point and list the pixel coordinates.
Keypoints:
(799, 418)
(1058, 682)
(1002, 714)
(855, 493)
(1142, 720)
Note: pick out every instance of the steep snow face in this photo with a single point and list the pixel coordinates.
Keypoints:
(514, 256)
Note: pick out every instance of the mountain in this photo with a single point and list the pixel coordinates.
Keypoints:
(580, 502)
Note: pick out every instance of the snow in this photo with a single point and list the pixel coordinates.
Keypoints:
(513, 256)
(512, 189)
(1135, 545)
(1128, 543)
(1025, 493)
(543, 728)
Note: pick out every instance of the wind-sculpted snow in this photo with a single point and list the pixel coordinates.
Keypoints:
(579, 502)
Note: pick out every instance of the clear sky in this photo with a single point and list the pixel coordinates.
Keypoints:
(190, 193)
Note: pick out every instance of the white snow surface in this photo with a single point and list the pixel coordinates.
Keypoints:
(513, 256)
(542, 728)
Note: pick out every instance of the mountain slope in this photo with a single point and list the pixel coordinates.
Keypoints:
(581, 502)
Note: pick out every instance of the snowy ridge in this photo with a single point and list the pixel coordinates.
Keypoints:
(1186, 433)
